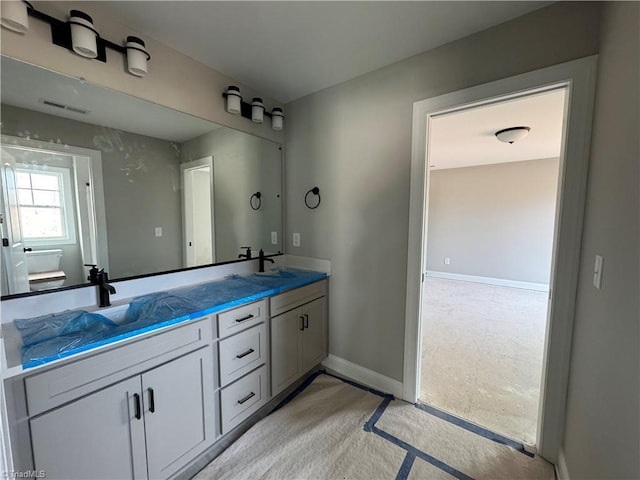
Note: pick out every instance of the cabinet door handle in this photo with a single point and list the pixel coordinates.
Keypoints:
(244, 318)
(242, 400)
(301, 323)
(136, 399)
(152, 400)
(248, 352)
(306, 320)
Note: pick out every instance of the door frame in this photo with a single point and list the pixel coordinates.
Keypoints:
(184, 168)
(579, 78)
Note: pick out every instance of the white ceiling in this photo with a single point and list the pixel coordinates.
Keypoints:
(467, 138)
(287, 50)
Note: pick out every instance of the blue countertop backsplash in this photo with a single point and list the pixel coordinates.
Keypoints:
(51, 337)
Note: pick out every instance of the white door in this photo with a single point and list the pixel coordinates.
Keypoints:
(99, 436)
(13, 248)
(198, 213)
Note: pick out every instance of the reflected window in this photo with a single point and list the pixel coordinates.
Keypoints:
(45, 202)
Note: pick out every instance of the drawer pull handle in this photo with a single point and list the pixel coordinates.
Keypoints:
(136, 399)
(301, 323)
(152, 400)
(244, 318)
(306, 320)
(248, 352)
(242, 400)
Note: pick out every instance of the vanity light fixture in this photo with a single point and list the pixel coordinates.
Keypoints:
(83, 34)
(257, 110)
(512, 134)
(137, 56)
(77, 34)
(234, 100)
(14, 15)
(254, 110)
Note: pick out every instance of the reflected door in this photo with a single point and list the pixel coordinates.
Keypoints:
(197, 202)
(13, 249)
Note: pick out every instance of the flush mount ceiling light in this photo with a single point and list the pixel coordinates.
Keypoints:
(512, 134)
(77, 34)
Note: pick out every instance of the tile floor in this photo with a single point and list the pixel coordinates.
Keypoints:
(482, 354)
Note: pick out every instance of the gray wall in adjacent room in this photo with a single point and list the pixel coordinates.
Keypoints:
(493, 220)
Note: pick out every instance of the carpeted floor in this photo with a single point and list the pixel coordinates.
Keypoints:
(337, 430)
(482, 354)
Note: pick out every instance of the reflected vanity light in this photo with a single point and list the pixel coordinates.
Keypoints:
(83, 34)
(276, 118)
(77, 34)
(255, 111)
(14, 15)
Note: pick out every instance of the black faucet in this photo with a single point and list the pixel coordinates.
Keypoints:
(246, 255)
(104, 289)
(93, 273)
(263, 259)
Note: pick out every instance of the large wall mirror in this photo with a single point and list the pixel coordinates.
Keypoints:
(94, 176)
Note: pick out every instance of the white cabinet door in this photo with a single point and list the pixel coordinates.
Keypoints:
(313, 339)
(179, 411)
(96, 437)
(284, 349)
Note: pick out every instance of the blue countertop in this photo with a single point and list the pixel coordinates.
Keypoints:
(51, 337)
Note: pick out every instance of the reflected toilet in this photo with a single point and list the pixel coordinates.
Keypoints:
(44, 269)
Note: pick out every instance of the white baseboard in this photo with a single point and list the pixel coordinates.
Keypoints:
(562, 473)
(363, 375)
(540, 287)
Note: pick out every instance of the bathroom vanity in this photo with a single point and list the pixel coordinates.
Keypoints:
(152, 404)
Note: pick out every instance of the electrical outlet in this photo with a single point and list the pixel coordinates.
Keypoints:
(158, 231)
(274, 238)
(447, 261)
(296, 239)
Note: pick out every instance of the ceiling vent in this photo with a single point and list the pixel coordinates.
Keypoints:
(49, 103)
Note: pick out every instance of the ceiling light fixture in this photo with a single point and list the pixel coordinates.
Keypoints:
(512, 134)
(255, 111)
(77, 34)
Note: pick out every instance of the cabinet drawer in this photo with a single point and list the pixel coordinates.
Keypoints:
(241, 318)
(241, 399)
(60, 385)
(294, 298)
(242, 353)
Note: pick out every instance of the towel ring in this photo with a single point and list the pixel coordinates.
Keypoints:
(315, 191)
(255, 205)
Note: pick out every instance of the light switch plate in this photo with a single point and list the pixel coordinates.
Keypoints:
(296, 239)
(274, 238)
(158, 231)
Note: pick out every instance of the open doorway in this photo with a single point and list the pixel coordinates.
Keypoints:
(491, 220)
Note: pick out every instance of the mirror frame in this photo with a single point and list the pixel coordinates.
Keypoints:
(177, 270)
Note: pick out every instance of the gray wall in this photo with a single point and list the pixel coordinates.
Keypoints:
(354, 141)
(602, 437)
(242, 165)
(141, 178)
(494, 220)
